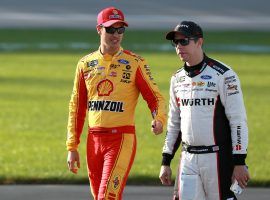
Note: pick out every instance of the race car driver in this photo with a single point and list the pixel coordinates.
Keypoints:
(107, 84)
(207, 115)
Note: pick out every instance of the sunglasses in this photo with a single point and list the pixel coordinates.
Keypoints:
(182, 42)
(112, 30)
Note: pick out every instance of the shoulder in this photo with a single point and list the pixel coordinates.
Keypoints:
(224, 71)
(89, 60)
(218, 66)
(133, 55)
(179, 75)
(89, 56)
(179, 72)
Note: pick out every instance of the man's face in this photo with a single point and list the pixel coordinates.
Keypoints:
(111, 36)
(186, 47)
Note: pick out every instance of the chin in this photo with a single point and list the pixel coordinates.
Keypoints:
(182, 58)
(116, 45)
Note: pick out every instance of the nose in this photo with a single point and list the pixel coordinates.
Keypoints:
(178, 46)
(116, 33)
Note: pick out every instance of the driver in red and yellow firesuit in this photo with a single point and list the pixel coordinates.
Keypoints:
(107, 86)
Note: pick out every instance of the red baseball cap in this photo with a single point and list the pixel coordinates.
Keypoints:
(109, 16)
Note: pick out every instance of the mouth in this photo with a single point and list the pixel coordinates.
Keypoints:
(115, 40)
(181, 53)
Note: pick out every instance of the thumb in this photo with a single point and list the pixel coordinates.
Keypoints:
(154, 123)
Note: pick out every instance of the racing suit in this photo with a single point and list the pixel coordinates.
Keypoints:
(207, 114)
(108, 87)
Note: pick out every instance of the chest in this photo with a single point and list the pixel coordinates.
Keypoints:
(202, 86)
(109, 75)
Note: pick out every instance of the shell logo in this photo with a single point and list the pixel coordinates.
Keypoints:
(105, 88)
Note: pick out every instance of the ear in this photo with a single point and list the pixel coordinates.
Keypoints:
(99, 30)
(200, 41)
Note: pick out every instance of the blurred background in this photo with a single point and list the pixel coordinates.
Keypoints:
(157, 14)
(241, 15)
(41, 42)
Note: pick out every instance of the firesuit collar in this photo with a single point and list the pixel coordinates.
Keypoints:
(110, 57)
(192, 71)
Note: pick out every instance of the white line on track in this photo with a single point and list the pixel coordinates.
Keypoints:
(10, 47)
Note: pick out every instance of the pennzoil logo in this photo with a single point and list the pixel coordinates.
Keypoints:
(105, 88)
(111, 106)
(116, 181)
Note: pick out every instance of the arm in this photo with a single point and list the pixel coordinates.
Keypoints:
(77, 113)
(173, 137)
(232, 99)
(152, 96)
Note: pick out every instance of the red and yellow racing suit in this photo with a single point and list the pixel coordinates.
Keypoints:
(108, 87)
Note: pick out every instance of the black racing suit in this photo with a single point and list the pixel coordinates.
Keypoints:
(206, 113)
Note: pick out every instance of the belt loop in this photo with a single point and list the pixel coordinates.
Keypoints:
(114, 131)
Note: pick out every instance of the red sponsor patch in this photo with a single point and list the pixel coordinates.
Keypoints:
(238, 147)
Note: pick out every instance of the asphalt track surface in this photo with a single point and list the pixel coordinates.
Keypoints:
(81, 192)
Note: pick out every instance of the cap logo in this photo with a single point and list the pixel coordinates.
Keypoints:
(184, 25)
(115, 15)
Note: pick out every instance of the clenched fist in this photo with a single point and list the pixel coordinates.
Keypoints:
(157, 127)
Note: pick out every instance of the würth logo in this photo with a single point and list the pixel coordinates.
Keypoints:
(196, 102)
